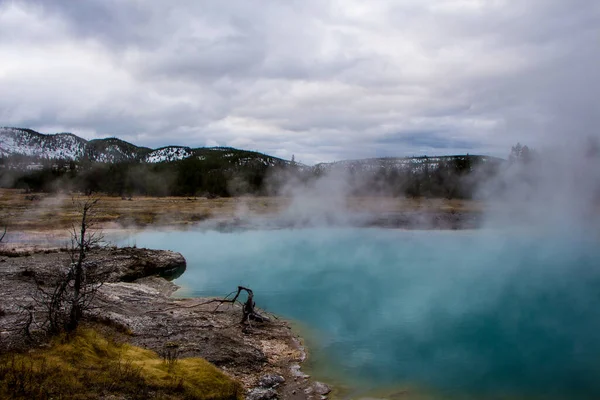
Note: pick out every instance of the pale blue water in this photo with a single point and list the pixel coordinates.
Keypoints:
(472, 314)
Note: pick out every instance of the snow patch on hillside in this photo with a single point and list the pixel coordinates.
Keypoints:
(15, 141)
(172, 153)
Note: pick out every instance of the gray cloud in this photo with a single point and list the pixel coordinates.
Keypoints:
(323, 80)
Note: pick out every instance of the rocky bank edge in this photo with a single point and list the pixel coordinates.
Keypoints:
(265, 359)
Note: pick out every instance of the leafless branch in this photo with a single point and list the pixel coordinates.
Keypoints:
(249, 313)
(71, 291)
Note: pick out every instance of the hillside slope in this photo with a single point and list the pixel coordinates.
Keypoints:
(35, 146)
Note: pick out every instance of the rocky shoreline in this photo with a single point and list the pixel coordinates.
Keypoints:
(136, 299)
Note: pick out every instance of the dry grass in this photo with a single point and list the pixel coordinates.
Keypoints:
(27, 212)
(392, 205)
(89, 366)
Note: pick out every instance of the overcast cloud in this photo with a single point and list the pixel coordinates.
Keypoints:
(324, 80)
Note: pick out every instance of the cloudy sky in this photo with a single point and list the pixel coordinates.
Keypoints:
(321, 79)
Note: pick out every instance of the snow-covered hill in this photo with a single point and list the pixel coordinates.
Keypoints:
(25, 142)
(35, 146)
(65, 146)
(112, 150)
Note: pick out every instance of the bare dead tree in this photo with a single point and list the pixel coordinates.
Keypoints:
(248, 311)
(82, 239)
(71, 291)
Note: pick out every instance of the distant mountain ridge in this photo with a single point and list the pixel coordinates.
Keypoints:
(23, 142)
(415, 163)
(15, 142)
(34, 161)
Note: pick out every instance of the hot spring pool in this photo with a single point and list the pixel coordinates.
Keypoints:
(468, 314)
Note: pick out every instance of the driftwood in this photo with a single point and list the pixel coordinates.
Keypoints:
(249, 312)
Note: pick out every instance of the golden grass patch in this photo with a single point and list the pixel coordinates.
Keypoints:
(90, 366)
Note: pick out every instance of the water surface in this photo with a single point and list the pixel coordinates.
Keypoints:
(470, 314)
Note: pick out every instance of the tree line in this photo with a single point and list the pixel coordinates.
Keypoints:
(440, 177)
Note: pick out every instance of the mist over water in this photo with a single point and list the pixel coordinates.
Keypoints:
(507, 311)
(488, 314)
